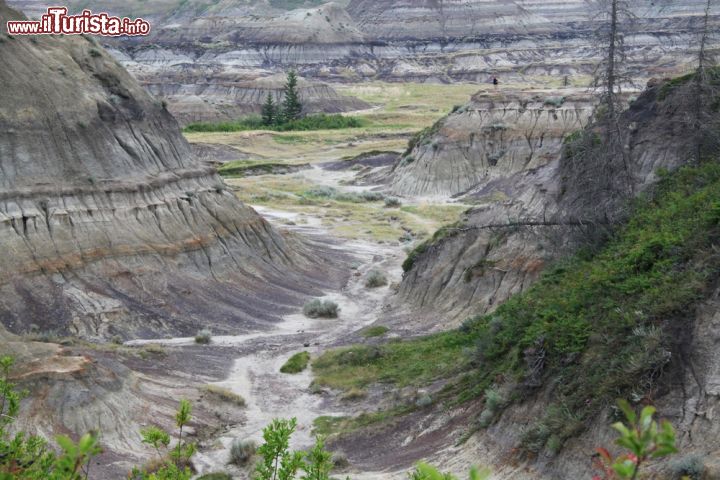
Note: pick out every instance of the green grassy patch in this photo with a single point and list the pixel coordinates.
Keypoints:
(297, 363)
(376, 331)
(311, 122)
(414, 362)
(330, 193)
(239, 168)
(326, 425)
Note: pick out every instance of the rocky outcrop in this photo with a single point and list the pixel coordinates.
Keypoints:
(110, 225)
(494, 136)
(529, 217)
(502, 152)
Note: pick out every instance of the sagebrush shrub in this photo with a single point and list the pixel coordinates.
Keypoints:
(376, 279)
(203, 337)
(317, 308)
(392, 202)
(691, 466)
(242, 451)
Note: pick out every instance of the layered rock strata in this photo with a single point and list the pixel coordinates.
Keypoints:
(109, 223)
(525, 218)
(496, 135)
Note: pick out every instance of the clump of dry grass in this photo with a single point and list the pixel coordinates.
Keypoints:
(223, 394)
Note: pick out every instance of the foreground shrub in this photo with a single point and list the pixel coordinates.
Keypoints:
(424, 471)
(173, 463)
(321, 309)
(242, 451)
(376, 279)
(203, 337)
(279, 462)
(297, 363)
(642, 438)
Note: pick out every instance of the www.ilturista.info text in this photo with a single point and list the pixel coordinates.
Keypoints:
(57, 22)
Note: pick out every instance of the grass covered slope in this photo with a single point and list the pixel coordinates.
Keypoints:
(597, 326)
(319, 121)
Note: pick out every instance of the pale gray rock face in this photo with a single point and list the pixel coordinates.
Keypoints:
(495, 135)
(108, 222)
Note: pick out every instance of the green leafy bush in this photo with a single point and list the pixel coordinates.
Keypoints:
(643, 439)
(277, 461)
(424, 471)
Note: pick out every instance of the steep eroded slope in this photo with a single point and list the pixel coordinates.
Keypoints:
(109, 224)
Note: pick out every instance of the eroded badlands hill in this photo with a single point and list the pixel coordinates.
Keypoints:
(109, 224)
(495, 135)
(209, 51)
(531, 205)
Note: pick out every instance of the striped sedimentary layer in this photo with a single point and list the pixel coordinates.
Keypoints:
(108, 222)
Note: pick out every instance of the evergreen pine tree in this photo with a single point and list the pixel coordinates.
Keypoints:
(269, 111)
(292, 108)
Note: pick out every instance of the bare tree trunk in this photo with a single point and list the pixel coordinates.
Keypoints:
(612, 51)
(700, 86)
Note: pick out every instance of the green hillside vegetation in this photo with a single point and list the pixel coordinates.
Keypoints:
(297, 363)
(604, 324)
